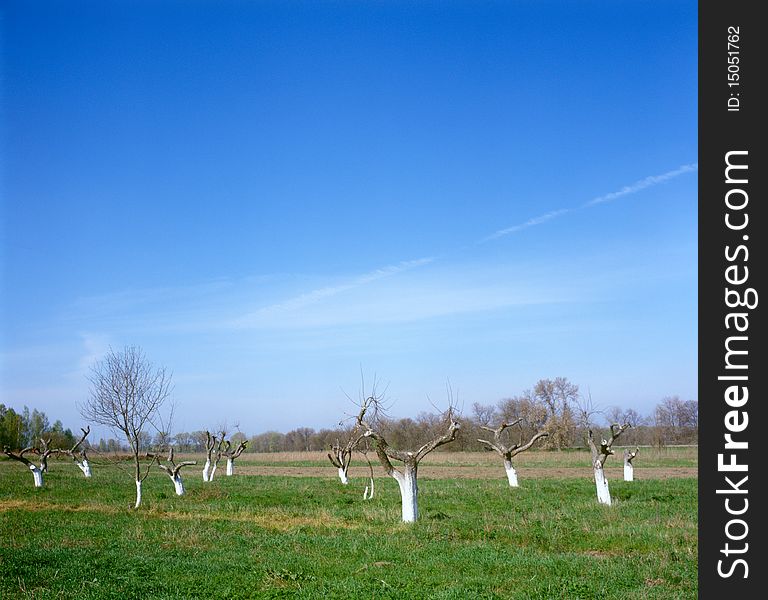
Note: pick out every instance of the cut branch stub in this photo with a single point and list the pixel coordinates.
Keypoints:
(629, 455)
(600, 456)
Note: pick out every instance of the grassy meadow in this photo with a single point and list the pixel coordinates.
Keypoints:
(296, 532)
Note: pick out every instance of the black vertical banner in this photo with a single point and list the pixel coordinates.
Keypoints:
(733, 542)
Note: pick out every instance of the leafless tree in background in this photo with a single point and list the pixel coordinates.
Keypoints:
(44, 453)
(558, 396)
(407, 478)
(127, 394)
(676, 421)
(599, 457)
(507, 452)
(484, 414)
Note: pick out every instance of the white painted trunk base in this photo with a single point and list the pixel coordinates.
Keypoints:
(85, 468)
(368, 493)
(601, 483)
(138, 494)
(213, 472)
(230, 467)
(207, 470)
(511, 474)
(409, 494)
(629, 472)
(343, 476)
(178, 484)
(38, 475)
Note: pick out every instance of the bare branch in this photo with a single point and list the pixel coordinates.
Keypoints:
(600, 456)
(447, 437)
(505, 450)
(20, 456)
(80, 441)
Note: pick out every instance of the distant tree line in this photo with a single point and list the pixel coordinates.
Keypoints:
(20, 430)
(554, 402)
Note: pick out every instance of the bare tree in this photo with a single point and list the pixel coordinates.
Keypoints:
(231, 455)
(44, 453)
(676, 421)
(507, 452)
(407, 478)
(78, 453)
(483, 414)
(216, 455)
(210, 446)
(599, 457)
(559, 396)
(173, 470)
(341, 456)
(629, 469)
(127, 394)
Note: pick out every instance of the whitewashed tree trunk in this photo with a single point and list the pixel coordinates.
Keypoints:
(406, 480)
(507, 451)
(601, 483)
(138, 494)
(599, 457)
(85, 467)
(210, 446)
(511, 473)
(343, 476)
(37, 474)
(231, 455)
(368, 493)
(629, 470)
(409, 492)
(81, 457)
(173, 470)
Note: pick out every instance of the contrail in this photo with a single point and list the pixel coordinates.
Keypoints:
(328, 291)
(529, 223)
(642, 184)
(319, 294)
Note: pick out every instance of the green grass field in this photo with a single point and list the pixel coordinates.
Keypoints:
(310, 537)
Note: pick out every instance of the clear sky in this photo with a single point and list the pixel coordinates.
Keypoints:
(268, 197)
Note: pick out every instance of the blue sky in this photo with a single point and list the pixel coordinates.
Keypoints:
(269, 196)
